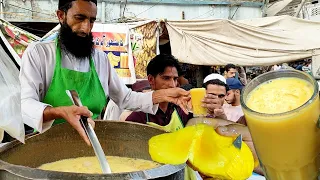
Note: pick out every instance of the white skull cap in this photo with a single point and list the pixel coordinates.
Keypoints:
(214, 76)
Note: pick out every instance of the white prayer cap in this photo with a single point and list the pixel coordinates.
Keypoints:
(214, 76)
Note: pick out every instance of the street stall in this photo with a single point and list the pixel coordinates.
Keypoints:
(254, 42)
(129, 47)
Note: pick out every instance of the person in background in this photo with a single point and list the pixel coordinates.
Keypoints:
(181, 79)
(113, 112)
(217, 90)
(276, 67)
(187, 87)
(162, 73)
(307, 67)
(230, 71)
(242, 76)
(233, 109)
(299, 67)
(285, 66)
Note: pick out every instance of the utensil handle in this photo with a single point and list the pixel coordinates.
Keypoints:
(96, 145)
(74, 96)
(99, 152)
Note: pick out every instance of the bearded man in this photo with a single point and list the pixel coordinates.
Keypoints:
(70, 62)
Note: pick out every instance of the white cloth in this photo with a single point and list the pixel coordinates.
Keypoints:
(38, 62)
(253, 42)
(112, 112)
(233, 113)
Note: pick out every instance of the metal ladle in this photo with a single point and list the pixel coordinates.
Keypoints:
(91, 134)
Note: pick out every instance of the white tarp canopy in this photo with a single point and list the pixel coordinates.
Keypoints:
(263, 41)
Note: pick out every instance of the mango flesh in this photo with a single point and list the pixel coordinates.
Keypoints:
(172, 149)
(205, 150)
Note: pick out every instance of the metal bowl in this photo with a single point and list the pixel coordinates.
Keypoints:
(125, 139)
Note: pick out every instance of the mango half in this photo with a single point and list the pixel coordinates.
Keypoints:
(206, 151)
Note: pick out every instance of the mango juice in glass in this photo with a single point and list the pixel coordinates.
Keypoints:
(197, 95)
(282, 112)
(124, 60)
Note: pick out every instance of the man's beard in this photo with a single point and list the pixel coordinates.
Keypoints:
(80, 47)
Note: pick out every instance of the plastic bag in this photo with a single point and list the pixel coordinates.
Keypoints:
(10, 102)
(10, 116)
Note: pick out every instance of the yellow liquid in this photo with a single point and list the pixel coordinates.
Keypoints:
(91, 165)
(287, 145)
(197, 95)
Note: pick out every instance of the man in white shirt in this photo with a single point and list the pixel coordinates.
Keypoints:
(216, 90)
(113, 112)
(307, 67)
(233, 109)
(48, 69)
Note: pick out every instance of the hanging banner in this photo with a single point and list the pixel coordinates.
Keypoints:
(114, 41)
(143, 40)
(16, 39)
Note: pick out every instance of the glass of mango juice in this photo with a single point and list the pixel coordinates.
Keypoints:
(197, 95)
(282, 112)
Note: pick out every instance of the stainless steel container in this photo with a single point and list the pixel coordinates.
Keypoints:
(125, 139)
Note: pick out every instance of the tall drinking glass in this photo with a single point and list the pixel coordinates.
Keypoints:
(288, 143)
(197, 95)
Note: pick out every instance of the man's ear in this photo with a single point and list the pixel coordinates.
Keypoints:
(61, 16)
(151, 80)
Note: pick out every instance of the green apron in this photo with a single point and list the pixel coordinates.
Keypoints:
(87, 84)
(174, 125)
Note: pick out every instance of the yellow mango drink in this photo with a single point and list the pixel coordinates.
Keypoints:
(282, 112)
(197, 95)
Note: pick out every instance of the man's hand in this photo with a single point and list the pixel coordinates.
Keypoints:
(177, 96)
(234, 130)
(72, 115)
(229, 128)
(213, 104)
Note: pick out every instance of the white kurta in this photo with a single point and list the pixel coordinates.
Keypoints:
(37, 67)
(112, 112)
(233, 113)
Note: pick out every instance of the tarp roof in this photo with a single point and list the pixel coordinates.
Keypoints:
(262, 41)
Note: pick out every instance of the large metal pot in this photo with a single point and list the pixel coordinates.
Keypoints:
(19, 161)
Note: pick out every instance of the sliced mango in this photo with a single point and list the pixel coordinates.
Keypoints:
(172, 149)
(206, 151)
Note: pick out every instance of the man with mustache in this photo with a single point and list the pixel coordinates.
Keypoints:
(48, 69)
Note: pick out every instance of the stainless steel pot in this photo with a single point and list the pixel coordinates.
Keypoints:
(19, 161)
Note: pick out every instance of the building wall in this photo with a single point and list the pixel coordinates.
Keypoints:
(312, 11)
(174, 12)
(44, 10)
